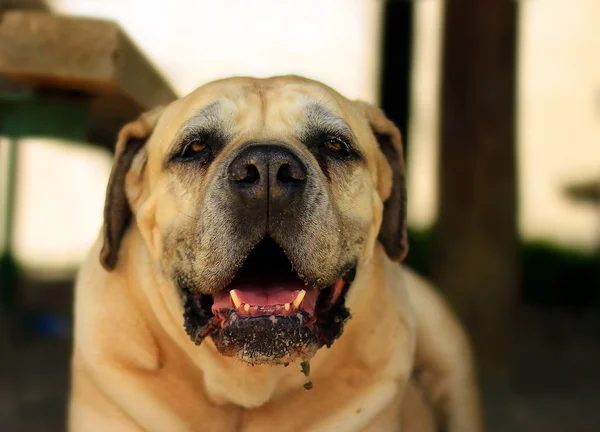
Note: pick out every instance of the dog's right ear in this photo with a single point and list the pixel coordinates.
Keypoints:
(117, 211)
(392, 234)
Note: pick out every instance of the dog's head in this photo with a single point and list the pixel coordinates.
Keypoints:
(259, 199)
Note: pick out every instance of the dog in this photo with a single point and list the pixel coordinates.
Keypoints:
(247, 276)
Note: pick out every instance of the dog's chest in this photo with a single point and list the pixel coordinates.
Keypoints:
(343, 406)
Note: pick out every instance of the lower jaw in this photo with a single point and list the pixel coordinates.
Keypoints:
(267, 339)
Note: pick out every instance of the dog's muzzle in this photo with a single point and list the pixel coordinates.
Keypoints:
(269, 312)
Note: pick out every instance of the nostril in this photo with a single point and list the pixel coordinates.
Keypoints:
(244, 173)
(289, 174)
(252, 174)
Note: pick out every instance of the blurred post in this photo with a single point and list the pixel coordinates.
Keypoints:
(7, 262)
(8, 265)
(396, 51)
(476, 260)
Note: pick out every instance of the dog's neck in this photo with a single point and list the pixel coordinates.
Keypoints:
(373, 308)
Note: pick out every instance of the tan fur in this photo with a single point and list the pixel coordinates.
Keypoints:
(134, 368)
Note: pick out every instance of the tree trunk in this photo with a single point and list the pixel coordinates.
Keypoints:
(476, 240)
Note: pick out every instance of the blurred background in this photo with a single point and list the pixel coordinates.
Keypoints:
(499, 103)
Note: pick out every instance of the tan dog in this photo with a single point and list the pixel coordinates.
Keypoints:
(246, 226)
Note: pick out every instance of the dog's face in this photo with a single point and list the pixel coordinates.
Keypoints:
(259, 200)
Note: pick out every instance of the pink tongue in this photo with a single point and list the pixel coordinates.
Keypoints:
(263, 296)
(260, 296)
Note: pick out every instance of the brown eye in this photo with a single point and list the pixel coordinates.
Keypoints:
(334, 145)
(196, 147)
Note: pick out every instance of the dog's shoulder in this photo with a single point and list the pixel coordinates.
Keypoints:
(434, 318)
(111, 328)
(444, 366)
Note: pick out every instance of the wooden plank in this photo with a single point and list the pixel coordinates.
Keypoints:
(106, 117)
(92, 56)
(477, 261)
(23, 4)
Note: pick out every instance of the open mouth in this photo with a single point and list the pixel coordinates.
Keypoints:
(267, 314)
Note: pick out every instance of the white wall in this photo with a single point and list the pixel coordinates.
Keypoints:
(196, 41)
(558, 117)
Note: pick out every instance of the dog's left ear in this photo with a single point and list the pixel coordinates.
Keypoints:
(117, 211)
(392, 234)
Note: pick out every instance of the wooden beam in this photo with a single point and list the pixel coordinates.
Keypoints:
(39, 5)
(85, 55)
(476, 256)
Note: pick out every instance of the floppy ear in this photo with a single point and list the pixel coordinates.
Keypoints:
(392, 234)
(117, 212)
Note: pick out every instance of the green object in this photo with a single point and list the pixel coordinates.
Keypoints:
(27, 116)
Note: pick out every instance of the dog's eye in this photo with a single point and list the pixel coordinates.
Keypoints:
(194, 148)
(336, 146)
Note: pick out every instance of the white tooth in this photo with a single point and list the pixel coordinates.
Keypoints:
(236, 300)
(287, 306)
(299, 298)
(246, 307)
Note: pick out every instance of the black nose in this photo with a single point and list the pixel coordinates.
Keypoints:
(267, 172)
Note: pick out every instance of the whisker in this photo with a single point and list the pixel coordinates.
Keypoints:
(191, 217)
(350, 208)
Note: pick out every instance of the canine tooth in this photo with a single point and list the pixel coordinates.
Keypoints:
(236, 300)
(246, 307)
(287, 306)
(299, 298)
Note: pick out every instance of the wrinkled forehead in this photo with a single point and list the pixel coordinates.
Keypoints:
(262, 109)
